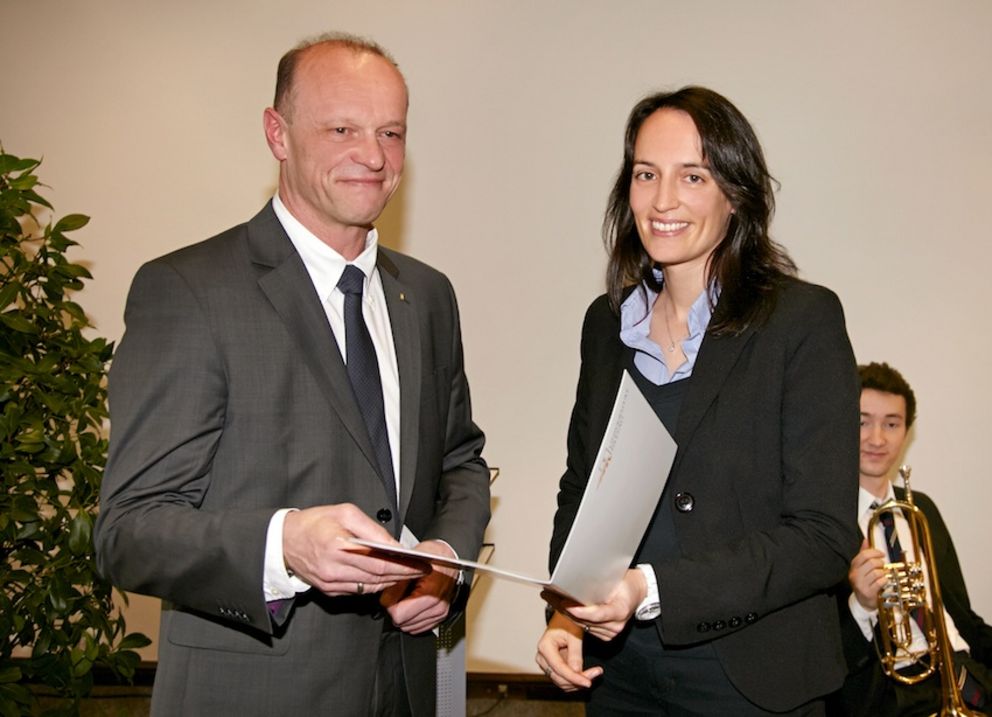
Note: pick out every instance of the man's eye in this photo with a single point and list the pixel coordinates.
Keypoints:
(644, 175)
(694, 179)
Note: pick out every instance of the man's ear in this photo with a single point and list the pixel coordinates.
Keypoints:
(275, 132)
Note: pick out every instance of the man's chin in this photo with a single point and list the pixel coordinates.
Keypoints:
(875, 469)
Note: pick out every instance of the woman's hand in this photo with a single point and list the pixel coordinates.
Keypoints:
(608, 619)
(559, 655)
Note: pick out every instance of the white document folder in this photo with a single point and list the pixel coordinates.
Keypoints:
(624, 487)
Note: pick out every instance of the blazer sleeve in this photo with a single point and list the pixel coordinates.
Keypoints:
(599, 378)
(167, 404)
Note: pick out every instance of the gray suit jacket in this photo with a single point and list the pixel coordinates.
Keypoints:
(229, 399)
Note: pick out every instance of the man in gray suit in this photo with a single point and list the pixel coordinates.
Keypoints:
(244, 452)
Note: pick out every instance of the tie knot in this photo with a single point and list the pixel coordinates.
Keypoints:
(352, 280)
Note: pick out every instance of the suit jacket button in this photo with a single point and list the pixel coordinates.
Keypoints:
(703, 627)
(735, 621)
(719, 625)
(750, 617)
(384, 515)
(684, 502)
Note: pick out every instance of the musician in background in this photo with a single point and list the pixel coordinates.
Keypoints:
(888, 408)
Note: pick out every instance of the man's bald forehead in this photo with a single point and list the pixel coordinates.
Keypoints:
(331, 43)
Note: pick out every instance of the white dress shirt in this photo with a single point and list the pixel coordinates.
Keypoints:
(325, 266)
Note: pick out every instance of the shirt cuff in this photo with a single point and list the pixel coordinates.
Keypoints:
(277, 582)
(864, 617)
(650, 606)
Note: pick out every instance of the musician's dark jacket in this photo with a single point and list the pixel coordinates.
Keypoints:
(867, 691)
(768, 450)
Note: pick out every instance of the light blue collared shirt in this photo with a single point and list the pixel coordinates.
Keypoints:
(635, 323)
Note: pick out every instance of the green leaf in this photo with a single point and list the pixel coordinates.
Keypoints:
(24, 509)
(23, 182)
(10, 164)
(18, 323)
(71, 222)
(10, 673)
(8, 293)
(80, 534)
(134, 641)
(75, 270)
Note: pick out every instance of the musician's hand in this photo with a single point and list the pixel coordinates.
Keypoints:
(867, 575)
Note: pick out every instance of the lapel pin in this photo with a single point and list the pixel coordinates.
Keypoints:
(402, 296)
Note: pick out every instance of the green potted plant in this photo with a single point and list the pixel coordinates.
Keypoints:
(56, 613)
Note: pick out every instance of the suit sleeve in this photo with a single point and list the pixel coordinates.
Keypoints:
(167, 404)
(462, 510)
(953, 590)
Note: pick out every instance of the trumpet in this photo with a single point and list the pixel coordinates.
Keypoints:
(904, 599)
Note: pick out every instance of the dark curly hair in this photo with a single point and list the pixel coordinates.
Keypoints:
(882, 377)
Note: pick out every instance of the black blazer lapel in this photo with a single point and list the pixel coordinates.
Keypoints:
(288, 287)
(401, 302)
(717, 356)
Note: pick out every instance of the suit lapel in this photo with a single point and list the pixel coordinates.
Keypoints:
(717, 356)
(285, 282)
(401, 302)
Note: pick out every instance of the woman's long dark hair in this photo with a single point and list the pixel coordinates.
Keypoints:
(747, 264)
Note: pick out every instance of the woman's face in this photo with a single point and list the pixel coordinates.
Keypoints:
(680, 211)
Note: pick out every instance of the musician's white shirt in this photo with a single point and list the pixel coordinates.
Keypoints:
(866, 619)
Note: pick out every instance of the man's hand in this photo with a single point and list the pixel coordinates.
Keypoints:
(867, 575)
(609, 618)
(419, 606)
(559, 654)
(316, 549)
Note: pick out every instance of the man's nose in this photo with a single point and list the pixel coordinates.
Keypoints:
(369, 153)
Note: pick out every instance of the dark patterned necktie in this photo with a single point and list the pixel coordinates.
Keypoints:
(896, 553)
(363, 371)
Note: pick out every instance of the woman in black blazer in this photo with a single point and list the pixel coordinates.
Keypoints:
(725, 610)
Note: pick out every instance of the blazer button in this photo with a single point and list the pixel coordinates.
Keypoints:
(735, 621)
(384, 515)
(719, 625)
(684, 502)
(703, 627)
(750, 617)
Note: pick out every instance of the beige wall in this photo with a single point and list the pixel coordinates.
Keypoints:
(876, 118)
